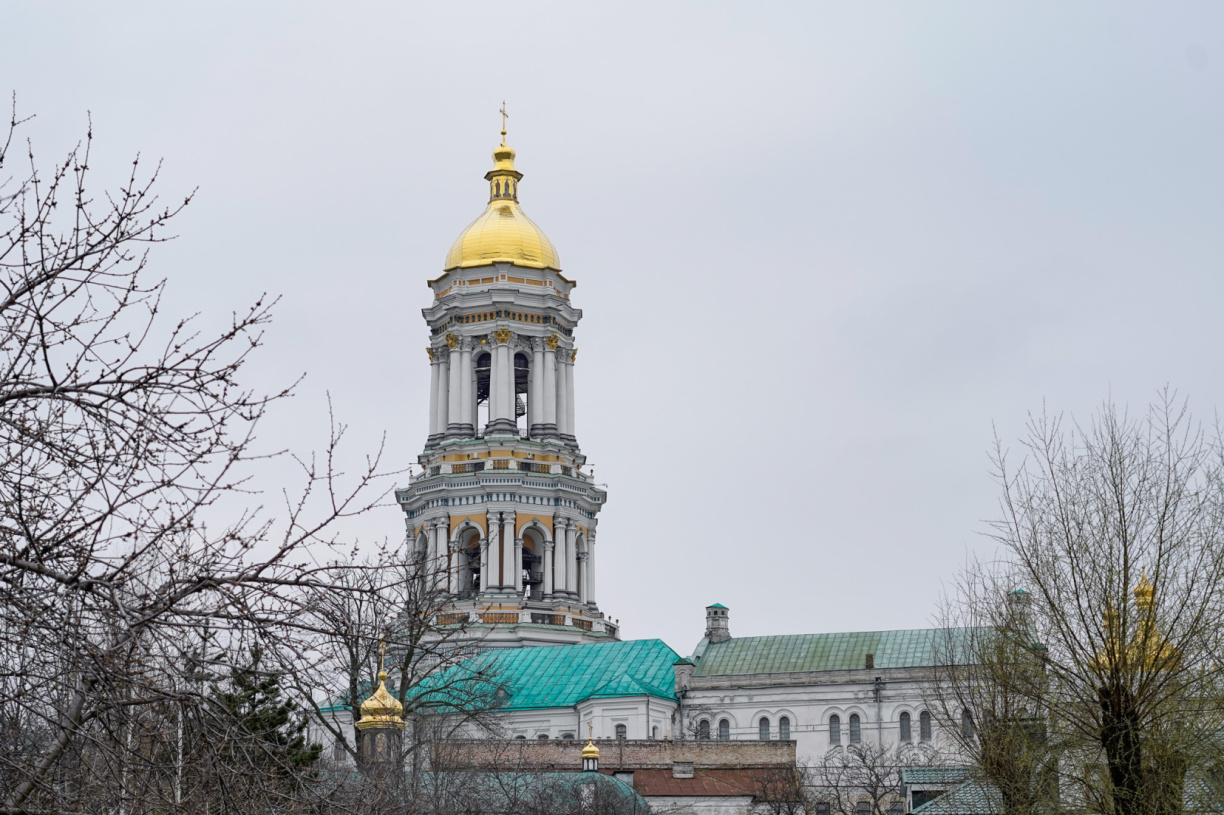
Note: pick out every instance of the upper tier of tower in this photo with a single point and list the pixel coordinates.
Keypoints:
(503, 233)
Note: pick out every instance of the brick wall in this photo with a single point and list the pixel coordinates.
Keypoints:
(624, 755)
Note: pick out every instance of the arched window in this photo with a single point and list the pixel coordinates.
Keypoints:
(967, 729)
(622, 732)
(654, 732)
(542, 737)
(763, 729)
(924, 726)
(784, 728)
(338, 751)
(856, 731)
(906, 738)
(835, 729)
(567, 737)
(724, 730)
(520, 738)
(703, 729)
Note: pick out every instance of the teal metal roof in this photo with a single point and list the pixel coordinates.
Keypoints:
(970, 798)
(716, 605)
(934, 775)
(563, 675)
(790, 653)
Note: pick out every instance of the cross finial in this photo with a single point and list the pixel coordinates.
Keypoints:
(590, 730)
(382, 653)
(504, 117)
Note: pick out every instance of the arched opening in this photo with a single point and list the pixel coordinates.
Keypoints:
(724, 730)
(763, 729)
(835, 729)
(906, 736)
(483, 366)
(654, 732)
(924, 726)
(703, 729)
(968, 731)
(420, 549)
(784, 728)
(856, 729)
(469, 563)
(542, 737)
(533, 564)
(622, 732)
(522, 375)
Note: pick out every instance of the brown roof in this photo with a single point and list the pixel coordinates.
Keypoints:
(703, 783)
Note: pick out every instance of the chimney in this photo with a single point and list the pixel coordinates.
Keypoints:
(717, 625)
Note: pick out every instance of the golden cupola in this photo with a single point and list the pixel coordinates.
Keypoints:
(381, 709)
(503, 233)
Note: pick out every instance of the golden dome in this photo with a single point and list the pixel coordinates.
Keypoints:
(381, 708)
(1144, 592)
(590, 750)
(503, 233)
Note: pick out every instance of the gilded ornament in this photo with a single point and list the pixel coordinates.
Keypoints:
(502, 335)
(574, 356)
(552, 341)
(429, 352)
(452, 341)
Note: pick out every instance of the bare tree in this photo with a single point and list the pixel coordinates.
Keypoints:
(124, 444)
(1104, 669)
(864, 773)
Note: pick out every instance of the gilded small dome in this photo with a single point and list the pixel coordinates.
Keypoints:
(503, 233)
(381, 708)
(1144, 592)
(590, 750)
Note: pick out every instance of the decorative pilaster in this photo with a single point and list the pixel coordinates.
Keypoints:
(563, 429)
(571, 432)
(468, 426)
(452, 568)
(535, 396)
(560, 571)
(506, 536)
(434, 364)
(454, 421)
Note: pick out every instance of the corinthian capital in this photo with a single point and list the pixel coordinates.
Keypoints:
(502, 335)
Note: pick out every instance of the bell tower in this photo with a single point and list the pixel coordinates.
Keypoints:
(504, 513)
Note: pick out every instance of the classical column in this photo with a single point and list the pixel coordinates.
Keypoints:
(443, 396)
(434, 363)
(501, 386)
(518, 565)
(563, 429)
(559, 556)
(590, 566)
(509, 580)
(581, 567)
(535, 419)
(454, 412)
(571, 559)
(484, 565)
(494, 583)
(437, 551)
(452, 568)
(548, 570)
(570, 431)
(549, 396)
(468, 385)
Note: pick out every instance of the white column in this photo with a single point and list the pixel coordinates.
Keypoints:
(501, 386)
(468, 386)
(590, 567)
(437, 550)
(518, 565)
(571, 558)
(484, 565)
(535, 388)
(434, 363)
(454, 411)
(443, 395)
(452, 568)
(559, 556)
(570, 430)
(549, 396)
(507, 551)
(562, 395)
(495, 554)
(548, 569)
(580, 566)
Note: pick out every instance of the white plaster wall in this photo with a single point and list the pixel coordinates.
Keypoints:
(700, 805)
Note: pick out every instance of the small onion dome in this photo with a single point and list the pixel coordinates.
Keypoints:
(381, 709)
(1145, 592)
(590, 751)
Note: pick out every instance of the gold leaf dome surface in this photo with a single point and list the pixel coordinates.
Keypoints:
(503, 233)
(381, 707)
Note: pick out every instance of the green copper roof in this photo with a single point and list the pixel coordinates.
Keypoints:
(716, 605)
(824, 652)
(564, 675)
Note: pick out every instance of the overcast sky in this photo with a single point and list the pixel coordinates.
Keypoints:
(823, 251)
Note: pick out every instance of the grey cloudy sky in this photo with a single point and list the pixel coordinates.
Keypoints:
(822, 250)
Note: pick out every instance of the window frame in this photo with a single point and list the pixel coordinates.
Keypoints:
(784, 724)
(856, 728)
(835, 729)
(905, 727)
(763, 729)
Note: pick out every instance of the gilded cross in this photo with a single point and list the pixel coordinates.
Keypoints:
(382, 654)
(590, 729)
(504, 116)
